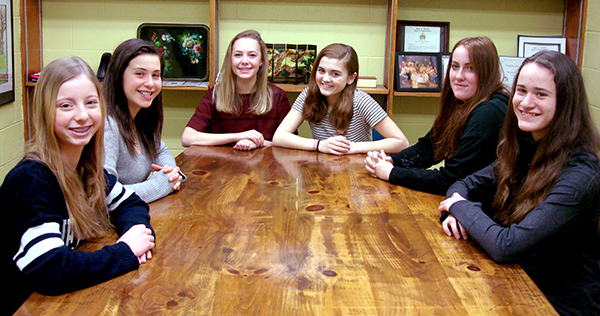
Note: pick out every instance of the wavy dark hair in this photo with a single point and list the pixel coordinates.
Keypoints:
(315, 105)
(147, 124)
(571, 130)
(452, 117)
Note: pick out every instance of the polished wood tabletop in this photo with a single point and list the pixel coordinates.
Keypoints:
(284, 232)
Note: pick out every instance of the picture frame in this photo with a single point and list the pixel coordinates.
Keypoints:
(445, 63)
(7, 67)
(418, 72)
(184, 47)
(290, 63)
(510, 66)
(422, 36)
(529, 45)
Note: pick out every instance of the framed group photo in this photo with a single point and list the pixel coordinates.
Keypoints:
(418, 72)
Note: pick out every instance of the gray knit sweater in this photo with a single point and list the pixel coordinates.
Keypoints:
(134, 172)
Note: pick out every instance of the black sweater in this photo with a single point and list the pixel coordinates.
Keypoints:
(557, 243)
(39, 252)
(476, 149)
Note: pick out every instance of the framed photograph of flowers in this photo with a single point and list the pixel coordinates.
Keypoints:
(184, 47)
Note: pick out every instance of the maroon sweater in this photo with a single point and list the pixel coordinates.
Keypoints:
(208, 120)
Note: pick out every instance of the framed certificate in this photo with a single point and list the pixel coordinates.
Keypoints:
(445, 63)
(422, 36)
(510, 67)
(529, 45)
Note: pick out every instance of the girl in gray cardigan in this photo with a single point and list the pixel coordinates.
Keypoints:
(135, 153)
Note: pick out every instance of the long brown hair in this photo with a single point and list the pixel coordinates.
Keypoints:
(571, 129)
(316, 107)
(147, 124)
(83, 188)
(228, 99)
(452, 117)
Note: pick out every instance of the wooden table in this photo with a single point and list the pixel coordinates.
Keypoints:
(284, 232)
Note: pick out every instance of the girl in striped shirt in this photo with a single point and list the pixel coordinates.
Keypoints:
(340, 116)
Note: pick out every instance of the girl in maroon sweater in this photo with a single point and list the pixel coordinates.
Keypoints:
(243, 109)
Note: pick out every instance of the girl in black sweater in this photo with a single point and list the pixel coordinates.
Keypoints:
(466, 131)
(59, 195)
(539, 204)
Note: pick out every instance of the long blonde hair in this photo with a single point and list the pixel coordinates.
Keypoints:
(83, 188)
(228, 99)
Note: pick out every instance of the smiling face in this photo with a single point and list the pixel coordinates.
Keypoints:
(142, 82)
(332, 77)
(246, 60)
(534, 101)
(78, 115)
(463, 78)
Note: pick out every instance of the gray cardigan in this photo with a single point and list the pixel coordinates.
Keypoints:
(135, 172)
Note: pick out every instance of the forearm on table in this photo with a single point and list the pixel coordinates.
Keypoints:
(191, 137)
(156, 187)
(388, 145)
(289, 140)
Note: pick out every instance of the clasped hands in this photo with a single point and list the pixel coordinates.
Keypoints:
(140, 240)
(250, 140)
(336, 145)
(379, 164)
(450, 225)
(173, 172)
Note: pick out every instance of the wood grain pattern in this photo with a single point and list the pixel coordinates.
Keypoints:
(284, 232)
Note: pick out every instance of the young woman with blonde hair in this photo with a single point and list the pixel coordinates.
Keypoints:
(340, 116)
(243, 109)
(59, 195)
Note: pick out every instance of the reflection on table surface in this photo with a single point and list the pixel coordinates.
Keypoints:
(284, 232)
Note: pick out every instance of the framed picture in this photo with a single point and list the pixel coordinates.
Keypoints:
(529, 45)
(418, 72)
(510, 67)
(290, 63)
(422, 36)
(7, 79)
(184, 47)
(445, 62)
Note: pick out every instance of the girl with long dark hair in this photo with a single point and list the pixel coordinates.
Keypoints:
(539, 204)
(466, 130)
(135, 153)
